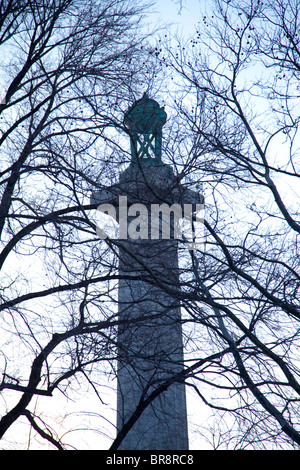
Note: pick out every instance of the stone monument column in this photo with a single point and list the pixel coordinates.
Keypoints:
(150, 348)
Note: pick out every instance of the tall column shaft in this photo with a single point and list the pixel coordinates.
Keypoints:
(150, 349)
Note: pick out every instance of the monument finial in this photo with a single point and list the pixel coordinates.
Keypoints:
(144, 121)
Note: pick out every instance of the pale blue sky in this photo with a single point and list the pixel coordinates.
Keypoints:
(183, 18)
